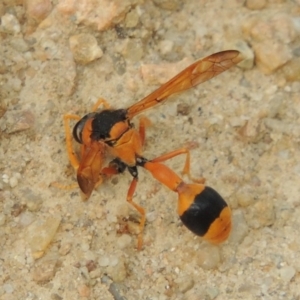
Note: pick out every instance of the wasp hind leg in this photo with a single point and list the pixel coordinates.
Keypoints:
(186, 168)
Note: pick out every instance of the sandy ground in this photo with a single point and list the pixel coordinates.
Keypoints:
(244, 127)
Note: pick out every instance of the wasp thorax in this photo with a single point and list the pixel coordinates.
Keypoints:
(104, 123)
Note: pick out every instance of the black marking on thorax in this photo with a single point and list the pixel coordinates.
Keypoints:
(104, 121)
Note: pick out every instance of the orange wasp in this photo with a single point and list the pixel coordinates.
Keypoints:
(110, 131)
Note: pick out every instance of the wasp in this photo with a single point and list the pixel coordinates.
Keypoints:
(110, 131)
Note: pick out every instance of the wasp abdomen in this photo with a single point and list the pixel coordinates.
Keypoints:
(208, 215)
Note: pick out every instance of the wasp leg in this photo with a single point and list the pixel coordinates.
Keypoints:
(140, 209)
(116, 166)
(186, 169)
(99, 102)
(71, 153)
(62, 186)
(144, 123)
(109, 171)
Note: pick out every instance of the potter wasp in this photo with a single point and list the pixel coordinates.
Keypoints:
(110, 131)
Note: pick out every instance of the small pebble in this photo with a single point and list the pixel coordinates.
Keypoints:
(240, 228)
(244, 196)
(256, 4)
(185, 284)
(45, 270)
(2, 219)
(295, 87)
(260, 214)
(10, 24)
(251, 128)
(65, 249)
(84, 290)
(91, 265)
(168, 4)
(271, 90)
(15, 84)
(287, 273)
(26, 218)
(85, 273)
(212, 292)
(38, 9)
(8, 288)
(17, 209)
(124, 241)
(151, 216)
(22, 121)
(103, 261)
(19, 44)
(208, 257)
(40, 234)
(117, 272)
(98, 15)
(271, 55)
(132, 19)
(166, 46)
(284, 28)
(33, 202)
(95, 273)
(85, 48)
(134, 50)
(257, 30)
(291, 129)
(291, 70)
(5, 178)
(276, 105)
(13, 182)
(49, 47)
(183, 109)
(85, 246)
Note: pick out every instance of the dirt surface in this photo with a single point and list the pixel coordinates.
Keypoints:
(59, 57)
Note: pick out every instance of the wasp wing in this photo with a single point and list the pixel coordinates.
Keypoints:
(200, 71)
(88, 173)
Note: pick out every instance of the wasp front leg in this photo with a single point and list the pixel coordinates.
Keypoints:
(71, 153)
(69, 137)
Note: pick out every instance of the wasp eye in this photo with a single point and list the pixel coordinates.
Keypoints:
(78, 128)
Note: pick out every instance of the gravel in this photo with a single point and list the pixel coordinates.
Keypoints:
(59, 57)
